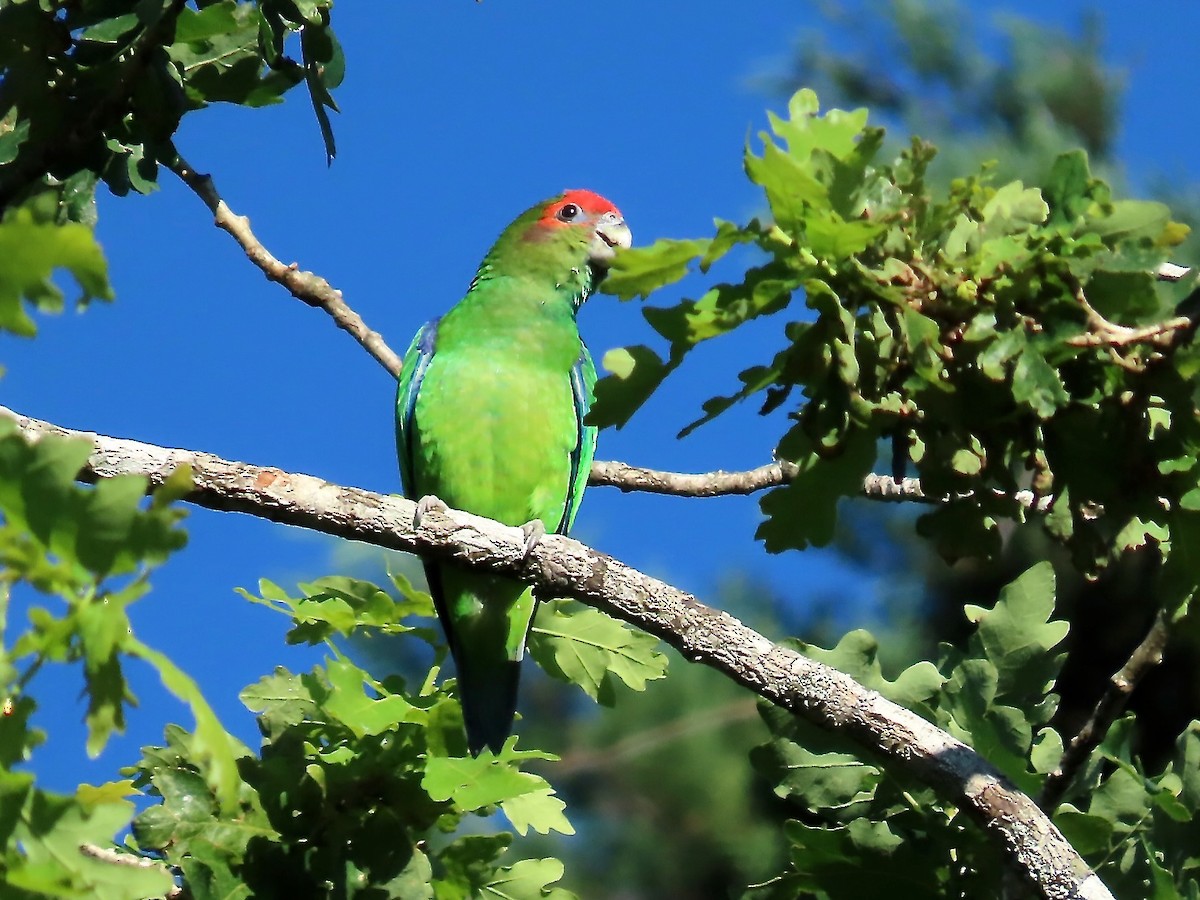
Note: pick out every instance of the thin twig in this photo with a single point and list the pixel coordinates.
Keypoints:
(719, 484)
(1103, 333)
(1171, 272)
(1145, 656)
(129, 860)
(117, 858)
(1160, 334)
(307, 287)
(617, 754)
(559, 566)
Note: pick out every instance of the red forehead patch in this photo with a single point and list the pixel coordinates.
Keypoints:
(588, 201)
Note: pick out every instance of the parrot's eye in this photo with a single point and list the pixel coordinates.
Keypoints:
(569, 212)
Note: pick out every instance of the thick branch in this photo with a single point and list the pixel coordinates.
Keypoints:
(307, 287)
(562, 567)
(710, 484)
(1145, 656)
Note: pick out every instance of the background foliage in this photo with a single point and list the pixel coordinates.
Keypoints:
(966, 320)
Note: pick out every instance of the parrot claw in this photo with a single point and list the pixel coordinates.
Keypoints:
(425, 506)
(534, 532)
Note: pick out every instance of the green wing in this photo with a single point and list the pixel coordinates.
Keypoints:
(416, 364)
(583, 384)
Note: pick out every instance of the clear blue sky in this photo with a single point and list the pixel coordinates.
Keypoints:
(455, 117)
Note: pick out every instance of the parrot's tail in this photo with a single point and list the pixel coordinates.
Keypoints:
(487, 621)
(488, 694)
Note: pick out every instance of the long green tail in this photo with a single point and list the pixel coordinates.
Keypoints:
(487, 621)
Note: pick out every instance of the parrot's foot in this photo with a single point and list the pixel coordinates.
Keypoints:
(425, 506)
(534, 532)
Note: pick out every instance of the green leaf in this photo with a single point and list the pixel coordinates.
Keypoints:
(215, 20)
(337, 605)
(111, 31)
(583, 646)
(1068, 189)
(13, 133)
(640, 271)
(467, 864)
(476, 783)
(1017, 634)
(220, 57)
(1088, 834)
(281, 699)
(817, 780)
(30, 253)
(529, 879)
(317, 48)
(637, 373)
(362, 714)
(765, 290)
(1123, 296)
(857, 655)
(214, 749)
(1134, 219)
(1038, 384)
(1012, 208)
(804, 511)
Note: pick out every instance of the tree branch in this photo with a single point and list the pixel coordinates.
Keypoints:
(307, 287)
(710, 484)
(1145, 656)
(719, 484)
(1103, 333)
(563, 567)
(312, 289)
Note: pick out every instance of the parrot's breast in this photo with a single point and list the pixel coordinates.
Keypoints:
(495, 429)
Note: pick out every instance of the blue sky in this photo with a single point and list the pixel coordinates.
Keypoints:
(455, 117)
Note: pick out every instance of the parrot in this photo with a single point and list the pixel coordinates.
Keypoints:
(490, 419)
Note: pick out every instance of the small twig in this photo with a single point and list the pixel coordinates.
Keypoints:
(720, 483)
(1108, 334)
(117, 858)
(616, 754)
(129, 860)
(1170, 272)
(307, 287)
(1145, 656)
(1103, 333)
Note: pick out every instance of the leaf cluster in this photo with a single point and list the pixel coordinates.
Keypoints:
(74, 559)
(999, 337)
(362, 785)
(95, 91)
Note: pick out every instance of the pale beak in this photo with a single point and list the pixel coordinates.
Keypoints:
(611, 232)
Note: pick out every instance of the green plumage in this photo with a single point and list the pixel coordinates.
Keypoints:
(489, 415)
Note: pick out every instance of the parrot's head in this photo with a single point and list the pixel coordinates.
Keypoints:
(586, 222)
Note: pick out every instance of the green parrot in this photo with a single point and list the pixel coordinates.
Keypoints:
(489, 418)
